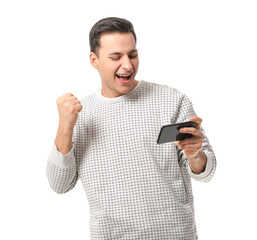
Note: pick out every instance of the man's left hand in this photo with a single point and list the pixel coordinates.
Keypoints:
(192, 146)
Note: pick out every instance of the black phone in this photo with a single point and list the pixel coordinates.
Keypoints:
(170, 133)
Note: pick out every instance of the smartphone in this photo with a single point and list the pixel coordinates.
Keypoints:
(170, 133)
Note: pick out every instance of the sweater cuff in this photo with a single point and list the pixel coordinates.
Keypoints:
(206, 172)
(64, 161)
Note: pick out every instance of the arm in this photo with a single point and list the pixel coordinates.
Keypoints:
(61, 166)
(195, 153)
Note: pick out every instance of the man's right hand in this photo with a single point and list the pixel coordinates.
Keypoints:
(68, 107)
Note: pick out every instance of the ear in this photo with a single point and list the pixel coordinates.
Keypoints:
(93, 60)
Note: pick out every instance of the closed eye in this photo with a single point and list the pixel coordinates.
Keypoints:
(134, 56)
(115, 59)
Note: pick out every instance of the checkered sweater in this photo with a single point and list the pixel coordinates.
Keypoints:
(136, 188)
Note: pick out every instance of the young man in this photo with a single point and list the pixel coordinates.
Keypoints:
(136, 188)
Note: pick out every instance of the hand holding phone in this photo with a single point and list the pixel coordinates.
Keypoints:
(170, 133)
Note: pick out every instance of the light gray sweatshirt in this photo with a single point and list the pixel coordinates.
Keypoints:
(136, 188)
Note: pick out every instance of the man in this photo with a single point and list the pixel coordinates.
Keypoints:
(136, 188)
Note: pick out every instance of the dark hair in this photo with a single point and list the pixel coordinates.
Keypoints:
(108, 25)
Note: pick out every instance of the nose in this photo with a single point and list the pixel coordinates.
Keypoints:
(126, 64)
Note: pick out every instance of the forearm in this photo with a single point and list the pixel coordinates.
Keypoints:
(198, 163)
(63, 140)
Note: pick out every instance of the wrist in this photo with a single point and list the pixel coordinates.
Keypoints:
(196, 156)
(65, 128)
(198, 162)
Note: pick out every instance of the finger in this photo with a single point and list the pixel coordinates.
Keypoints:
(191, 130)
(75, 102)
(198, 120)
(68, 94)
(192, 140)
(192, 147)
(69, 99)
(78, 108)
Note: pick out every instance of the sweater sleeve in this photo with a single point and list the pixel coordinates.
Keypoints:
(185, 112)
(61, 169)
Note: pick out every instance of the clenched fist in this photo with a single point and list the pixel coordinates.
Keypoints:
(68, 107)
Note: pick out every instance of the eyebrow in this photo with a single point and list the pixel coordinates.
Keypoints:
(115, 53)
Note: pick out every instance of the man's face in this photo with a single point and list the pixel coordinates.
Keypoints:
(117, 56)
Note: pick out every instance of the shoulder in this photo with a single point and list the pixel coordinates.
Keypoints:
(87, 99)
(165, 90)
(88, 103)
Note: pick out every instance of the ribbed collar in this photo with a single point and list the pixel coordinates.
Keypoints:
(124, 97)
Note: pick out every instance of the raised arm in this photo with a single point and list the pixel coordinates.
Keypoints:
(61, 166)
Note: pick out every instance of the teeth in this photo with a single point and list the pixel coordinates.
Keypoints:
(123, 75)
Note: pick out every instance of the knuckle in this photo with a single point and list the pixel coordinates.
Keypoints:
(59, 100)
(72, 108)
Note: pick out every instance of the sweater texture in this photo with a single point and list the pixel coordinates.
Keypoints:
(136, 188)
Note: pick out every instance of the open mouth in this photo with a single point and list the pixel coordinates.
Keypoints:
(124, 77)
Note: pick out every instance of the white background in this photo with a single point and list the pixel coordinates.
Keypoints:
(206, 49)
